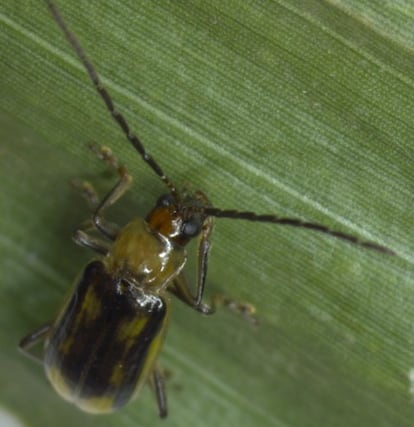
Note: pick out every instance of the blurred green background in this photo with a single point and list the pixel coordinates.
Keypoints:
(296, 108)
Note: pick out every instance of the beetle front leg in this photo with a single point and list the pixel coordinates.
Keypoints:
(88, 192)
(108, 229)
(116, 193)
(245, 309)
(27, 342)
(203, 252)
(181, 290)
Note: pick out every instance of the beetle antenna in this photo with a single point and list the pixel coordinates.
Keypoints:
(119, 118)
(295, 222)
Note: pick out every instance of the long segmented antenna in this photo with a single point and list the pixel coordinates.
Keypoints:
(208, 211)
(295, 222)
(119, 118)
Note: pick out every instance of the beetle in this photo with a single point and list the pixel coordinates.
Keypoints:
(104, 344)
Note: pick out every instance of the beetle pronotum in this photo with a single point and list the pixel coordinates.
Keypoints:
(104, 344)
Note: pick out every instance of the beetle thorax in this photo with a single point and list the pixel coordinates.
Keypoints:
(143, 257)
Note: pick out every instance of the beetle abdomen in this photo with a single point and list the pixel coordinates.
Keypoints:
(103, 346)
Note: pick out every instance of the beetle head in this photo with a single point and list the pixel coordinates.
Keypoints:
(179, 220)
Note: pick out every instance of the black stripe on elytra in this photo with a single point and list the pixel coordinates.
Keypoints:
(135, 359)
(96, 349)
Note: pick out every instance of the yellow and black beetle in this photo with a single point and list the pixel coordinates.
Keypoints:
(104, 344)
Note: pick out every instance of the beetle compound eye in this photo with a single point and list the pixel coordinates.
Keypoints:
(165, 200)
(191, 228)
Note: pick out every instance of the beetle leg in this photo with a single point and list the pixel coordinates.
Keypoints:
(88, 226)
(87, 191)
(181, 288)
(157, 381)
(182, 291)
(203, 252)
(245, 309)
(117, 192)
(105, 153)
(27, 342)
(108, 229)
(84, 239)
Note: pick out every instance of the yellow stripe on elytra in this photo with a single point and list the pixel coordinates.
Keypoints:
(117, 375)
(59, 383)
(128, 334)
(88, 312)
(130, 330)
(94, 405)
(91, 306)
(97, 405)
(66, 345)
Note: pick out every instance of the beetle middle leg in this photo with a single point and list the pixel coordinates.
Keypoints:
(91, 242)
(34, 337)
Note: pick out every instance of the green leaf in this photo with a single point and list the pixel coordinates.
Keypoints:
(296, 108)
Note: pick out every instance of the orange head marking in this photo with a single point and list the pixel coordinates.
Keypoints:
(178, 221)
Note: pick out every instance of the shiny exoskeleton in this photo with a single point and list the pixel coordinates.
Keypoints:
(104, 344)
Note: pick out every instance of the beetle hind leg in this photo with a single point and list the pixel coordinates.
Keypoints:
(158, 384)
